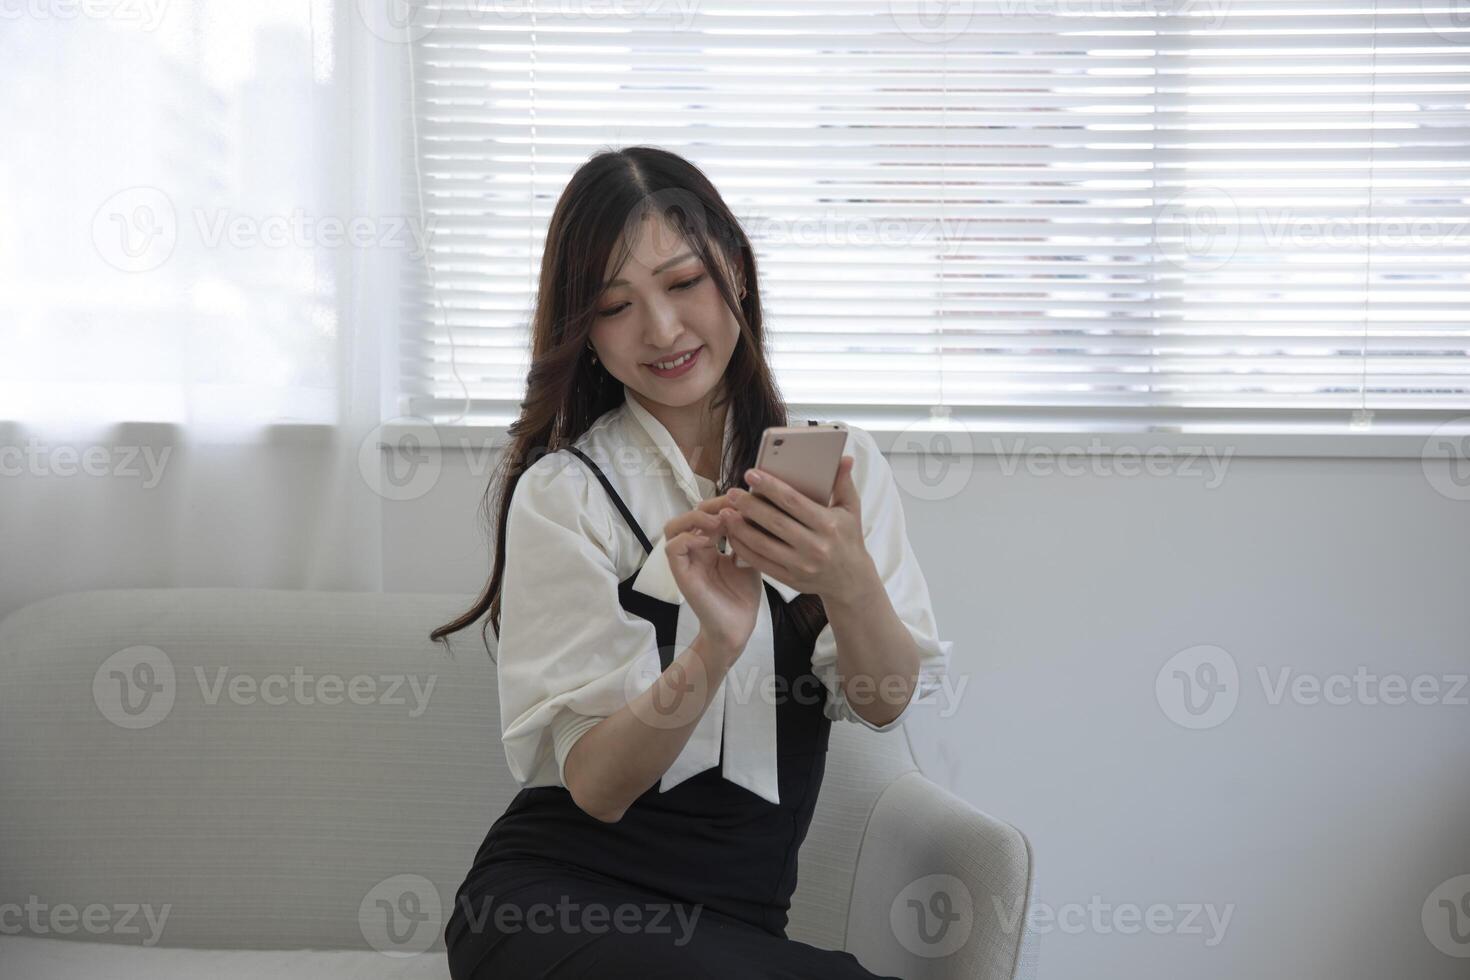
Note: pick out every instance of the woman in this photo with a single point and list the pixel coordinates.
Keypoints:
(666, 706)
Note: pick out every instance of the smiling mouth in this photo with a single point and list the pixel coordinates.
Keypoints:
(677, 361)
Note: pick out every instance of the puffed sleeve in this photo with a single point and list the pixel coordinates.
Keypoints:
(566, 645)
(888, 544)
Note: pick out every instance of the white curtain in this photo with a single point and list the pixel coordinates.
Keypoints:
(199, 239)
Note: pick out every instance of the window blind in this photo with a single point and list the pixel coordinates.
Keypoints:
(1251, 211)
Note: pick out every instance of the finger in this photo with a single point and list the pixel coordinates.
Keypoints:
(761, 564)
(775, 521)
(689, 521)
(844, 490)
(714, 504)
(795, 503)
(758, 542)
(707, 522)
(681, 544)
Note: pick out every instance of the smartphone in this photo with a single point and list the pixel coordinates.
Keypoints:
(805, 457)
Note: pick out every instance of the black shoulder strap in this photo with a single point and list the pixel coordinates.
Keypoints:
(617, 501)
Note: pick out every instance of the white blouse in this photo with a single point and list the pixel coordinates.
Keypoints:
(569, 655)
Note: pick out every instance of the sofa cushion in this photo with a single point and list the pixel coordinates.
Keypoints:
(275, 769)
(268, 769)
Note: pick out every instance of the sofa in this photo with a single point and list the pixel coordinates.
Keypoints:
(230, 783)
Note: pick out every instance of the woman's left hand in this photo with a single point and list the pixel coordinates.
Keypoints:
(809, 547)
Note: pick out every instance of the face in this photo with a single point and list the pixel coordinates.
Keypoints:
(659, 305)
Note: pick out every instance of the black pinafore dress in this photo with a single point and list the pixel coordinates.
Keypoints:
(712, 860)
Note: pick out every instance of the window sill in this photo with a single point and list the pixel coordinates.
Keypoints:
(1445, 438)
(1157, 441)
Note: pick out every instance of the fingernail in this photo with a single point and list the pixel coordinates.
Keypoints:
(736, 492)
(752, 477)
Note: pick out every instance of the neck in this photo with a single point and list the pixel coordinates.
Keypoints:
(697, 430)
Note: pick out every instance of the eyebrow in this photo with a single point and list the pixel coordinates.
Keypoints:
(671, 262)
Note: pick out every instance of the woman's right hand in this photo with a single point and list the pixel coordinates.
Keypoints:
(725, 598)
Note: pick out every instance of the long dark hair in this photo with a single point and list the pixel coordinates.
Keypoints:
(566, 392)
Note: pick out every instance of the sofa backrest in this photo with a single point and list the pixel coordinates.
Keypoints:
(286, 769)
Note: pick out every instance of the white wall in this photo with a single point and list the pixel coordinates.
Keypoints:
(1319, 829)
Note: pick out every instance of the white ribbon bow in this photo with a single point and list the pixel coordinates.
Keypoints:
(743, 709)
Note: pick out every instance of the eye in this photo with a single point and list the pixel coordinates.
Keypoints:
(685, 285)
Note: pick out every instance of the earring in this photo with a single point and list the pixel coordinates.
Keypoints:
(594, 353)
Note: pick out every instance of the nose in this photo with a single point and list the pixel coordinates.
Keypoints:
(663, 325)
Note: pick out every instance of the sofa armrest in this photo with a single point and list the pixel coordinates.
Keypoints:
(942, 891)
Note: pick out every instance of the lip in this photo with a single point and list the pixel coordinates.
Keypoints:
(681, 369)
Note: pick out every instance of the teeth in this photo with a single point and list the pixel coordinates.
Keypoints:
(673, 364)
